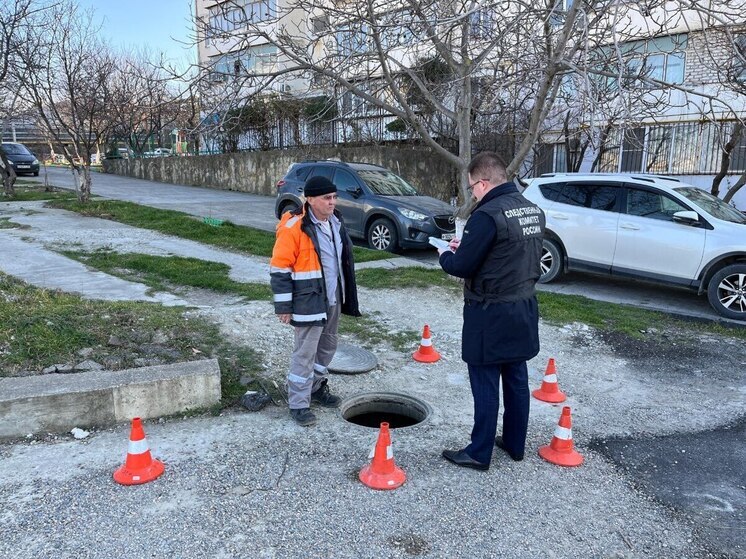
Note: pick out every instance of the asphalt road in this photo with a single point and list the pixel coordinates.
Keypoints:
(258, 211)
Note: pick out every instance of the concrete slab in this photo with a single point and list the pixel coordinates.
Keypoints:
(57, 403)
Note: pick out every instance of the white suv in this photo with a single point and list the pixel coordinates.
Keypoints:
(647, 227)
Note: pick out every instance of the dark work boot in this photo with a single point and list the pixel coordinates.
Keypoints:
(324, 397)
(303, 416)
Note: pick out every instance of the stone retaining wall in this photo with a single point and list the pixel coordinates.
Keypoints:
(257, 172)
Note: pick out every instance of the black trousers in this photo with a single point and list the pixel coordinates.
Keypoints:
(485, 388)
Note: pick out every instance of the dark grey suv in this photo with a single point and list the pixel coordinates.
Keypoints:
(376, 204)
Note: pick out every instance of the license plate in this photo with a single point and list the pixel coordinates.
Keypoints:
(447, 236)
(23, 166)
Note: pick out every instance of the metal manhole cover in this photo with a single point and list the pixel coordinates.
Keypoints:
(352, 360)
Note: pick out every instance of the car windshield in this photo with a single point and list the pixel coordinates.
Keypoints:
(386, 183)
(15, 149)
(712, 204)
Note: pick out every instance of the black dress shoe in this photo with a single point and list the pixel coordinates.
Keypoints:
(460, 458)
(501, 445)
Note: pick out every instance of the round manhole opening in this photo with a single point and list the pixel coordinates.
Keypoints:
(373, 408)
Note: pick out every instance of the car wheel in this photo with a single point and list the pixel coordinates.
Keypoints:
(288, 207)
(551, 261)
(36, 174)
(382, 236)
(727, 291)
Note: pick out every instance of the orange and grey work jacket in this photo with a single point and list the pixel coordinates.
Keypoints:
(296, 274)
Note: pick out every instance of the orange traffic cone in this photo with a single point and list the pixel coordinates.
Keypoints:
(560, 450)
(139, 467)
(382, 473)
(426, 352)
(549, 391)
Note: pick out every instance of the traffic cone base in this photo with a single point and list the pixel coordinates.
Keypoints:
(426, 352)
(549, 397)
(549, 391)
(560, 451)
(382, 472)
(571, 458)
(139, 466)
(126, 476)
(382, 481)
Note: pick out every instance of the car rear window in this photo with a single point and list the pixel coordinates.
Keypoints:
(552, 191)
(593, 196)
(302, 172)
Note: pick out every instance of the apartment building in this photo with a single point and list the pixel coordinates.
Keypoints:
(677, 129)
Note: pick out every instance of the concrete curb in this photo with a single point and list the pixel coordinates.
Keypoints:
(57, 403)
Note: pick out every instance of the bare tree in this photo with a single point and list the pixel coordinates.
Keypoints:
(378, 55)
(500, 65)
(14, 18)
(68, 84)
(144, 103)
(725, 50)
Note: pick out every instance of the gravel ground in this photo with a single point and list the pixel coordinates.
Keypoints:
(256, 485)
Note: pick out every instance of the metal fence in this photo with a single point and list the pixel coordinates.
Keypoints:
(687, 148)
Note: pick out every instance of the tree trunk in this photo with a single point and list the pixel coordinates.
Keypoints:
(82, 175)
(725, 163)
(9, 176)
(735, 188)
(601, 147)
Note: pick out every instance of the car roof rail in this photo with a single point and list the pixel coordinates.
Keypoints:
(324, 161)
(656, 177)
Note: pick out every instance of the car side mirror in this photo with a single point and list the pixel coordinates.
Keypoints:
(687, 217)
(354, 190)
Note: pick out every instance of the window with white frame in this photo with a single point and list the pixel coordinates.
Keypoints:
(258, 10)
(737, 70)
(557, 16)
(319, 24)
(233, 65)
(235, 15)
(396, 29)
(550, 158)
(482, 24)
(352, 40)
(661, 59)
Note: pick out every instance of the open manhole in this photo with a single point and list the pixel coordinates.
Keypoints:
(373, 408)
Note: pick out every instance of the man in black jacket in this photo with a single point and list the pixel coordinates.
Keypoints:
(498, 255)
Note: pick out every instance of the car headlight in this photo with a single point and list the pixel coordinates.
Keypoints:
(412, 214)
(35, 162)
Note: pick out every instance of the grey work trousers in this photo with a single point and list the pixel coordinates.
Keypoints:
(314, 350)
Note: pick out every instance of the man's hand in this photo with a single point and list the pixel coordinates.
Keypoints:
(452, 246)
(284, 318)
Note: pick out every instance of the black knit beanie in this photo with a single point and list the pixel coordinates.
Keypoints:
(318, 186)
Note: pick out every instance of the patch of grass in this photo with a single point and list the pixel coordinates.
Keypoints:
(160, 271)
(28, 191)
(413, 277)
(39, 327)
(553, 307)
(6, 223)
(371, 331)
(237, 363)
(179, 224)
(564, 309)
